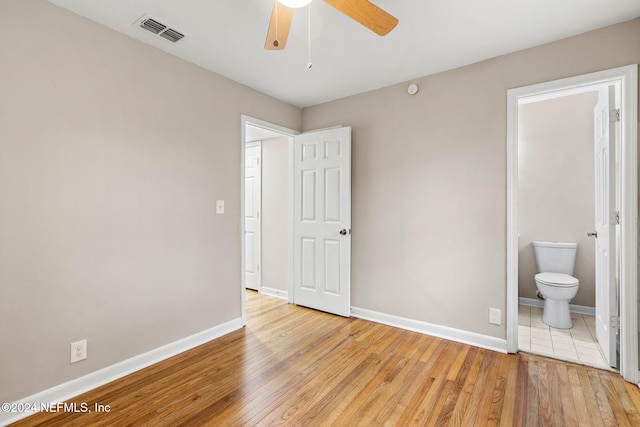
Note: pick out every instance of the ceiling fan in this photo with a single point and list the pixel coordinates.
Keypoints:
(362, 11)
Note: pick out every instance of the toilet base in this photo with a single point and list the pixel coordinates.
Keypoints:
(556, 314)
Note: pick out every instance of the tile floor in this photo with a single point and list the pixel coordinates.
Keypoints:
(578, 344)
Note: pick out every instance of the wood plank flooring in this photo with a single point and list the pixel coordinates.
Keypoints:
(297, 367)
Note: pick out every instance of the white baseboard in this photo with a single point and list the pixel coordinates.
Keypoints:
(458, 335)
(66, 391)
(580, 309)
(276, 293)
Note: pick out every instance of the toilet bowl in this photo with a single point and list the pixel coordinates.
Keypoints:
(557, 289)
(555, 262)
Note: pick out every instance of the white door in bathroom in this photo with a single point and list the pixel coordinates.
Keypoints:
(606, 296)
(322, 220)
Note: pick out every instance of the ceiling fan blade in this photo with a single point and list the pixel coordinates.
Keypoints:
(281, 17)
(366, 13)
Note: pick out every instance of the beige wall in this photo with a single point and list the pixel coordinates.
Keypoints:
(556, 196)
(429, 179)
(275, 175)
(112, 155)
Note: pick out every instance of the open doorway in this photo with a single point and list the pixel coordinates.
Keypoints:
(265, 191)
(626, 78)
(318, 215)
(557, 203)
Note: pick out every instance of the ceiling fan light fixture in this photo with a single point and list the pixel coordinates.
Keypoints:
(294, 3)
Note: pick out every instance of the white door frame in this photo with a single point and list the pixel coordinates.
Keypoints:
(627, 77)
(290, 133)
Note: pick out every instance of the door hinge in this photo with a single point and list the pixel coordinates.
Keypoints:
(614, 115)
(618, 217)
(615, 322)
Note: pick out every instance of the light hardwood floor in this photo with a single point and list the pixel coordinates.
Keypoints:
(294, 366)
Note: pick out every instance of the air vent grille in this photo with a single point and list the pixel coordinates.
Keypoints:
(171, 35)
(160, 29)
(152, 25)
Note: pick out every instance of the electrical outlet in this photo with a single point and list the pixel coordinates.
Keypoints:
(78, 351)
(495, 316)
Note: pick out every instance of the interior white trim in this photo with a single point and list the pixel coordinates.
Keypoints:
(252, 121)
(70, 389)
(627, 77)
(276, 293)
(290, 210)
(629, 368)
(452, 334)
(580, 309)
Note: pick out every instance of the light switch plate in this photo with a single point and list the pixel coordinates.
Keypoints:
(219, 206)
(495, 316)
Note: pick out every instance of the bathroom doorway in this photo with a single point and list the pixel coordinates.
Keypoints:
(556, 199)
(553, 99)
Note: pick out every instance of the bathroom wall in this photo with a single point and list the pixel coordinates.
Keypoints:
(556, 198)
(274, 213)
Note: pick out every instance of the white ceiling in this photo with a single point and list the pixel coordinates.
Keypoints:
(227, 36)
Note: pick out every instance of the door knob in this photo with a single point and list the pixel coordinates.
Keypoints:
(594, 234)
(344, 232)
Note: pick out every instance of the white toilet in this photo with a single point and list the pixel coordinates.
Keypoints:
(555, 262)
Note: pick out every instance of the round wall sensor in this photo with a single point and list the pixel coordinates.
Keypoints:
(412, 89)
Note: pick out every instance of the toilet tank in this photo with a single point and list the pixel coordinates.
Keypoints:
(555, 257)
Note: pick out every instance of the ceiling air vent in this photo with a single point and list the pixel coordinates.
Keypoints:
(152, 25)
(171, 35)
(160, 29)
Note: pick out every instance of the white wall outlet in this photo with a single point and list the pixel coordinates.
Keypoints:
(78, 351)
(219, 206)
(495, 316)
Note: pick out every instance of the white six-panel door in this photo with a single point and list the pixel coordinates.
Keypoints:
(252, 207)
(606, 295)
(322, 220)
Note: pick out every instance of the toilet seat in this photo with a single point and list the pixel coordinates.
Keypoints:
(559, 280)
